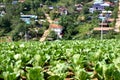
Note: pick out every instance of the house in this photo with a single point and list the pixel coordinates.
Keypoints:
(14, 1)
(105, 4)
(102, 18)
(98, 7)
(91, 10)
(78, 7)
(107, 14)
(41, 5)
(29, 16)
(100, 4)
(2, 5)
(26, 18)
(62, 10)
(57, 29)
(110, 3)
(2, 13)
(51, 7)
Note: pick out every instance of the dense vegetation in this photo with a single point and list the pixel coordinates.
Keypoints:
(77, 24)
(59, 60)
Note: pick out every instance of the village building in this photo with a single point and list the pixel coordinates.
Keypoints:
(2, 13)
(57, 29)
(2, 5)
(51, 7)
(78, 7)
(62, 10)
(14, 1)
(26, 18)
(100, 5)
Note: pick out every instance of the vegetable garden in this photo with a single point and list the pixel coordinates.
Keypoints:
(60, 60)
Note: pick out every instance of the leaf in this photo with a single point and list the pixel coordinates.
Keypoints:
(81, 74)
(35, 73)
(76, 58)
(9, 76)
(55, 77)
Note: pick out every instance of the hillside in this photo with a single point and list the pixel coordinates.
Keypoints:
(26, 19)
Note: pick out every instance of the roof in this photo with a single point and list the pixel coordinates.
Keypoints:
(78, 5)
(110, 20)
(29, 16)
(108, 2)
(103, 23)
(55, 26)
(106, 11)
(103, 28)
(98, 1)
(21, 0)
(14, 2)
(105, 4)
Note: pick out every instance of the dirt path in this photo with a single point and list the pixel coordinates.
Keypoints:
(117, 25)
(46, 32)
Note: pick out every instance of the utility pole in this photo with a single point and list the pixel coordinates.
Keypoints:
(25, 33)
(102, 30)
(103, 19)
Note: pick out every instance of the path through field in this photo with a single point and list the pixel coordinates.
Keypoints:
(46, 32)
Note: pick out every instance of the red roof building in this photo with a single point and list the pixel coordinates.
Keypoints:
(57, 29)
(55, 26)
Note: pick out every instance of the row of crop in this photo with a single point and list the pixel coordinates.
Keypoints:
(59, 60)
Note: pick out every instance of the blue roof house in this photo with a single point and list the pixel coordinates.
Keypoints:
(26, 18)
(98, 7)
(14, 2)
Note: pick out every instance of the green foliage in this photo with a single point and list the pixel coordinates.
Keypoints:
(79, 60)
